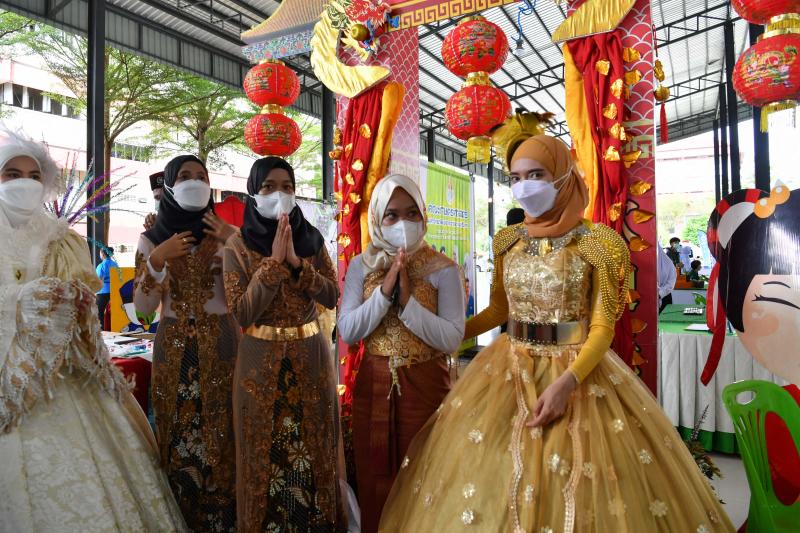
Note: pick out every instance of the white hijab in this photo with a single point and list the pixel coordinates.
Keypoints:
(379, 253)
(16, 144)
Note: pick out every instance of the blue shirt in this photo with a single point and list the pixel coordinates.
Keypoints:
(104, 273)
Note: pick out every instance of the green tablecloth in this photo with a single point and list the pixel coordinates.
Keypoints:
(674, 314)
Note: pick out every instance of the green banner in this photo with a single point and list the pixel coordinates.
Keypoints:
(449, 199)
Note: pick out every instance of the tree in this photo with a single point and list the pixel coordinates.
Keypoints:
(214, 119)
(692, 227)
(12, 29)
(136, 89)
(308, 158)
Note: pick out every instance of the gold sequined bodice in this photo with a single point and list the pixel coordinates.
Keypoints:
(392, 337)
(548, 287)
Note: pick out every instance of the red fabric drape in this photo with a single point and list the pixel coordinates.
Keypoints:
(364, 109)
(612, 190)
(586, 52)
(231, 210)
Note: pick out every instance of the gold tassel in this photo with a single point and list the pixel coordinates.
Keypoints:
(774, 107)
(479, 149)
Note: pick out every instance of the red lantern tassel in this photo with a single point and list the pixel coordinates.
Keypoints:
(664, 126)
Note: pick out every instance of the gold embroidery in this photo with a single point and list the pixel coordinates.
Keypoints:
(144, 281)
(271, 272)
(234, 289)
(392, 338)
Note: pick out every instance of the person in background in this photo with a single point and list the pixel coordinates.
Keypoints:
(674, 251)
(694, 273)
(515, 215)
(685, 254)
(666, 279)
(469, 298)
(157, 185)
(103, 270)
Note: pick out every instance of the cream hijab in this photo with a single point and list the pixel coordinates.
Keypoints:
(379, 254)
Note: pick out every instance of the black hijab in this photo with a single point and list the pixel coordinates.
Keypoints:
(172, 218)
(259, 232)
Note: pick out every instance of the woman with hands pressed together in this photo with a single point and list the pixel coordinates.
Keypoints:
(286, 416)
(405, 301)
(179, 267)
(548, 430)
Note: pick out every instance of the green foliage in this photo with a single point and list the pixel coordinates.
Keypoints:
(209, 118)
(692, 226)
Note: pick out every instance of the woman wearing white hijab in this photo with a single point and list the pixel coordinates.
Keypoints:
(77, 452)
(406, 302)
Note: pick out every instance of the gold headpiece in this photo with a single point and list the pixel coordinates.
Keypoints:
(507, 137)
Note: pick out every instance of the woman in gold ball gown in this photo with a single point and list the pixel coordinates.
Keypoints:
(548, 430)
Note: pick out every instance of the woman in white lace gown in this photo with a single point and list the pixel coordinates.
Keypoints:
(76, 452)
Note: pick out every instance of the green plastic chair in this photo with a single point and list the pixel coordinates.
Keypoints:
(767, 514)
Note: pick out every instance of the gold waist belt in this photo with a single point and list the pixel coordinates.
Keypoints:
(560, 333)
(274, 333)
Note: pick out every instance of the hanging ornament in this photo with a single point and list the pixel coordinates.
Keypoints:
(271, 82)
(272, 85)
(761, 11)
(473, 112)
(475, 49)
(767, 75)
(272, 134)
(475, 45)
(661, 93)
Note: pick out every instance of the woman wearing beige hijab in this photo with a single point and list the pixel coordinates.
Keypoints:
(405, 301)
(548, 430)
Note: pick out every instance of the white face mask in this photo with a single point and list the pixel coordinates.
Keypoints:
(192, 195)
(537, 197)
(403, 234)
(275, 204)
(20, 198)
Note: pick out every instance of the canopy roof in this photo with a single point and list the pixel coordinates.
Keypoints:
(204, 37)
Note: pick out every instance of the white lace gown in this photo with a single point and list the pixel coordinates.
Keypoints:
(76, 452)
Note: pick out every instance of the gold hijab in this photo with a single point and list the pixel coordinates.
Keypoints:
(573, 196)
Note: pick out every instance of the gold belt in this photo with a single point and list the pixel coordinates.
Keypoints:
(274, 333)
(560, 333)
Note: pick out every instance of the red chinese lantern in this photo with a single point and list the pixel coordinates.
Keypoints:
(272, 85)
(475, 49)
(767, 75)
(475, 45)
(272, 134)
(761, 11)
(271, 82)
(473, 112)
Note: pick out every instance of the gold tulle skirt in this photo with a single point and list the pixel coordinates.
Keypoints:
(612, 463)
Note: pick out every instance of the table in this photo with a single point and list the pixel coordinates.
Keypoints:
(682, 355)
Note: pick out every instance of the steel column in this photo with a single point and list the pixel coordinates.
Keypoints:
(733, 108)
(760, 140)
(95, 124)
(328, 125)
(717, 177)
(723, 129)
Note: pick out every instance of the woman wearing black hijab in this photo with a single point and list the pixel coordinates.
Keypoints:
(284, 393)
(179, 267)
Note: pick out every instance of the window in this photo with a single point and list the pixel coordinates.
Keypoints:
(35, 99)
(131, 152)
(18, 94)
(56, 108)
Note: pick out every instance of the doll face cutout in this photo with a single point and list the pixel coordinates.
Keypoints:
(771, 318)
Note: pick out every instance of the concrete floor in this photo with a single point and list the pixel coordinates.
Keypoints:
(733, 488)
